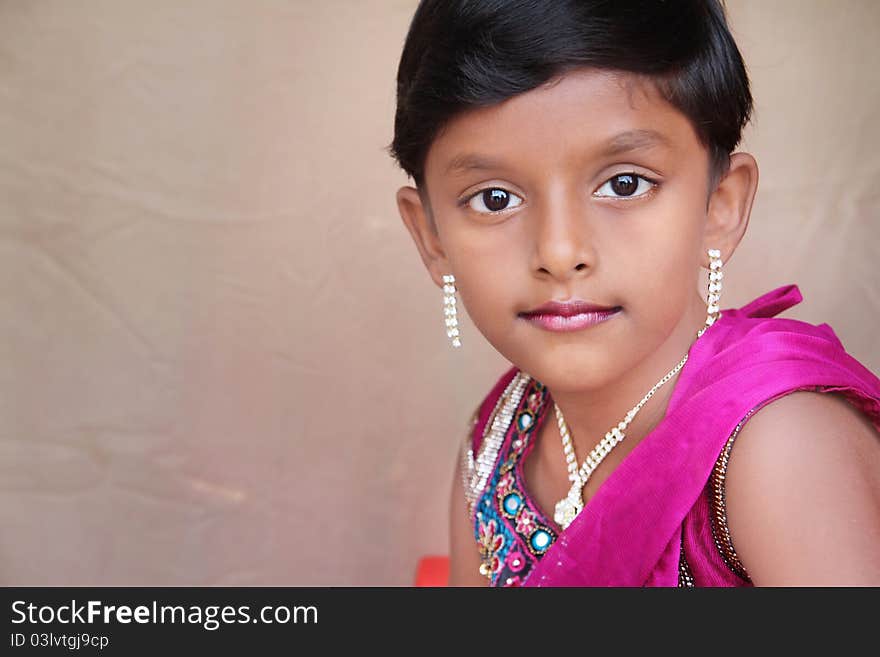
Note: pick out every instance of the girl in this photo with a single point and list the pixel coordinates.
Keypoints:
(574, 171)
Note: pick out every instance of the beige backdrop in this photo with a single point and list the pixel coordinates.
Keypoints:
(222, 360)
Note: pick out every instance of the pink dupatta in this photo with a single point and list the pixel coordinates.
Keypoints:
(629, 534)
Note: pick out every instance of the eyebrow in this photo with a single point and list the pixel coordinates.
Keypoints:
(471, 162)
(623, 142)
(632, 140)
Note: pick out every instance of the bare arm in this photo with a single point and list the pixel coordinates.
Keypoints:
(803, 494)
(464, 555)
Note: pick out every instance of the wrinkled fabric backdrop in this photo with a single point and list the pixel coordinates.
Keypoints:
(223, 362)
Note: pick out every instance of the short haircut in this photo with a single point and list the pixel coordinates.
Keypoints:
(465, 54)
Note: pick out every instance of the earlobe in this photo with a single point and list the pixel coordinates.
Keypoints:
(730, 206)
(416, 217)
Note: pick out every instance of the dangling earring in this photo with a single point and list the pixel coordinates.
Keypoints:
(449, 311)
(713, 299)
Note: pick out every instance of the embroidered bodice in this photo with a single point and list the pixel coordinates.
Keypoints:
(511, 531)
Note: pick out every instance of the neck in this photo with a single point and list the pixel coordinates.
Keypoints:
(590, 413)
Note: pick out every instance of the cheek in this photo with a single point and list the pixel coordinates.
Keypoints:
(669, 286)
(485, 294)
(484, 261)
(668, 271)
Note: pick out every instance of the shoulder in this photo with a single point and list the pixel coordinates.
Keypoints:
(803, 493)
(805, 424)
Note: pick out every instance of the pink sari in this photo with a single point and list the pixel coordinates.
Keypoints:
(631, 531)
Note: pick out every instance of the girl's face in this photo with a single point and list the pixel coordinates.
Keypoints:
(591, 188)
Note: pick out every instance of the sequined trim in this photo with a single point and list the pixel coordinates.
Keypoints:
(466, 459)
(477, 470)
(718, 506)
(685, 574)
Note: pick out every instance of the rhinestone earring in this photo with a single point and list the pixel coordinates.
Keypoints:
(449, 310)
(713, 298)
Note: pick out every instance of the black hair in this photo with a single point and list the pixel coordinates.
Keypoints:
(465, 54)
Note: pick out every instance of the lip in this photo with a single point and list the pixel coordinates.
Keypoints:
(572, 315)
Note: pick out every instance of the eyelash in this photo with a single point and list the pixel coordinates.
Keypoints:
(639, 177)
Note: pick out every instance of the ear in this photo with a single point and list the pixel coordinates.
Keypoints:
(730, 206)
(416, 214)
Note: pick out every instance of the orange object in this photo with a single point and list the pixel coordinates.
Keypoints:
(432, 571)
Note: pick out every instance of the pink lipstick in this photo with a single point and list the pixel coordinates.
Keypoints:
(572, 315)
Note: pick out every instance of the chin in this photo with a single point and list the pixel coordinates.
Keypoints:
(571, 372)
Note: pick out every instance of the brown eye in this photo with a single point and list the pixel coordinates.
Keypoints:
(494, 199)
(625, 185)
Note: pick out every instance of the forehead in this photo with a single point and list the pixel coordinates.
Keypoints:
(581, 114)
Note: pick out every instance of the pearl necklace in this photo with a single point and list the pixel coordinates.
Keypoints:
(571, 505)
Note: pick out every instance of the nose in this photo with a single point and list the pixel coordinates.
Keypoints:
(563, 239)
